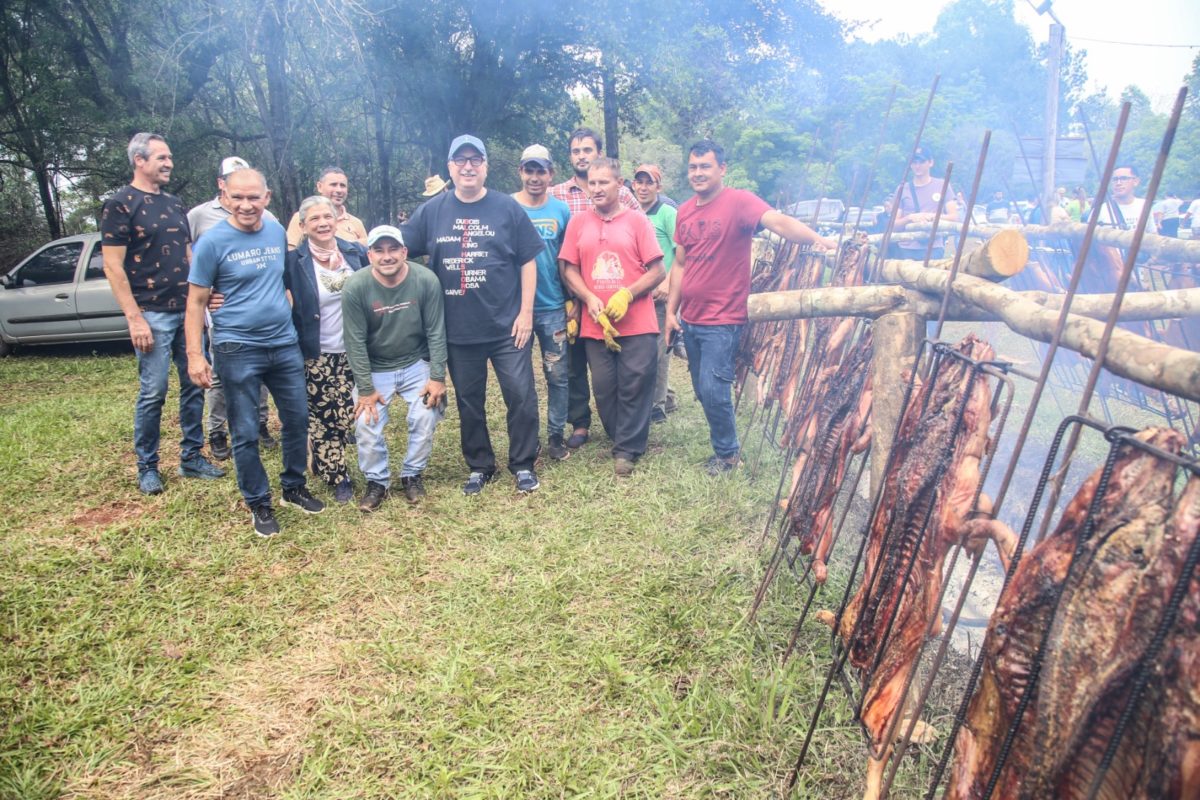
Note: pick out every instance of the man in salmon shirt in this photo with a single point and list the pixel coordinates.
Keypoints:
(710, 283)
(612, 262)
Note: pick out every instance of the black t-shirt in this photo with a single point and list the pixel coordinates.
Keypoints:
(153, 228)
(477, 251)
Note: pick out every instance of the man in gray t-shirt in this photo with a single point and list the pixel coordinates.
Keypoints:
(919, 199)
(200, 219)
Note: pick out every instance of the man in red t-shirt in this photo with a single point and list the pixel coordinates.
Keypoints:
(710, 283)
(612, 262)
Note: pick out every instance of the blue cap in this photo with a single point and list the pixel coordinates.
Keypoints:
(464, 140)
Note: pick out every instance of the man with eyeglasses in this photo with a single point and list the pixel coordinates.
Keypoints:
(1125, 209)
(919, 198)
(483, 249)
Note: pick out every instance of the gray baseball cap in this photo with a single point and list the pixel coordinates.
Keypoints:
(462, 141)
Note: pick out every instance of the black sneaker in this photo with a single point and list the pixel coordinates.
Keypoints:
(265, 440)
(658, 415)
(476, 481)
(414, 488)
(527, 481)
(301, 499)
(557, 450)
(578, 440)
(373, 497)
(199, 467)
(263, 519)
(218, 445)
(719, 466)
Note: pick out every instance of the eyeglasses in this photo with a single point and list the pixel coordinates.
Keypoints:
(462, 161)
(1123, 178)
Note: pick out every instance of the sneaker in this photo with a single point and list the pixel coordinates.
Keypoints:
(527, 481)
(343, 491)
(150, 482)
(373, 497)
(658, 414)
(302, 499)
(476, 481)
(200, 467)
(716, 465)
(623, 467)
(414, 488)
(263, 519)
(557, 450)
(578, 440)
(218, 445)
(265, 440)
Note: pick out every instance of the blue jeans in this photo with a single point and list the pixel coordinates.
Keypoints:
(710, 350)
(244, 368)
(550, 327)
(422, 421)
(153, 370)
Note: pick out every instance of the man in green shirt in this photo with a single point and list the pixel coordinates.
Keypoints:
(647, 183)
(395, 333)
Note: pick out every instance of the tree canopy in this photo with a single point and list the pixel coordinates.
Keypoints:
(379, 87)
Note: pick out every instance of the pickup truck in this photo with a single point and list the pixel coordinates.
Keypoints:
(59, 294)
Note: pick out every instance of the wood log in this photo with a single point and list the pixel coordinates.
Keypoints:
(896, 338)
(874, 301)
(1163, 248)
(1001, 256)
(1129, 355)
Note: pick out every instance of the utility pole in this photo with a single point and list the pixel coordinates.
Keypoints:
(1050, 142)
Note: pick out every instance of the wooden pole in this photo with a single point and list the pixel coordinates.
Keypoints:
(1164, 248)
(897, 338)
(1001, 256)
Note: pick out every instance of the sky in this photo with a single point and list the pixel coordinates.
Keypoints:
(1092, 25)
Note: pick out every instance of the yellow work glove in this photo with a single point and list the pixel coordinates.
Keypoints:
(618, 304)
(572, 322)
(610, 333)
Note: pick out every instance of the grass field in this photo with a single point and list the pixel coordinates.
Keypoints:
(586, 641)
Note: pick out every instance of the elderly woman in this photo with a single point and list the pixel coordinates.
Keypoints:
(315, 273)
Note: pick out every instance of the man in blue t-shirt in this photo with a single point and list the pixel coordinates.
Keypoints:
(550, 216)
(253, 342)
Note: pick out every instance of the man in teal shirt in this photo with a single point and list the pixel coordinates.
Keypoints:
(647, 183)
(550, 216)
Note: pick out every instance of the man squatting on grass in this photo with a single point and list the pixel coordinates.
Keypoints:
(710, 285)
(145, 245)
(612, 263)
(483, 249)
(254, 342)
(395, 335)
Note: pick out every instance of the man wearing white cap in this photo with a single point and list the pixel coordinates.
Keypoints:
(483, 249)
(200, 219)
(550, 216)
(395, 335)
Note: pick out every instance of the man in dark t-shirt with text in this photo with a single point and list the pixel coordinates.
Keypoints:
(145, 242)
(710, 284)
(483, 249)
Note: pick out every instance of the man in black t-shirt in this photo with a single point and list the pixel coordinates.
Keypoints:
(483, 249)
(146, 245)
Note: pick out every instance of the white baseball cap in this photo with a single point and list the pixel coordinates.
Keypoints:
(385, 232)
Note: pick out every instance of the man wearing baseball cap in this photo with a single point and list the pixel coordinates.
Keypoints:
(483, 249)
(395, 335)
(919, 199)
(647, 185)
(550, 216)
(200, 219)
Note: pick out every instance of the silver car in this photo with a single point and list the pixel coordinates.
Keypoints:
(60, 294)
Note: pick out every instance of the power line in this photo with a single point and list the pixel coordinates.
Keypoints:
(1132, 44)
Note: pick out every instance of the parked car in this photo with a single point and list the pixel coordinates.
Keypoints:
(60, 294)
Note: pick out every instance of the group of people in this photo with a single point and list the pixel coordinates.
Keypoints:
(336, 321)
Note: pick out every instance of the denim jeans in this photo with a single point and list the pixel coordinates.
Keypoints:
(153, 371)
(422, 422)
(550, 327)
(710, 350)
(664, 395)
(514, 372)
(579, 393)
(244, 368)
